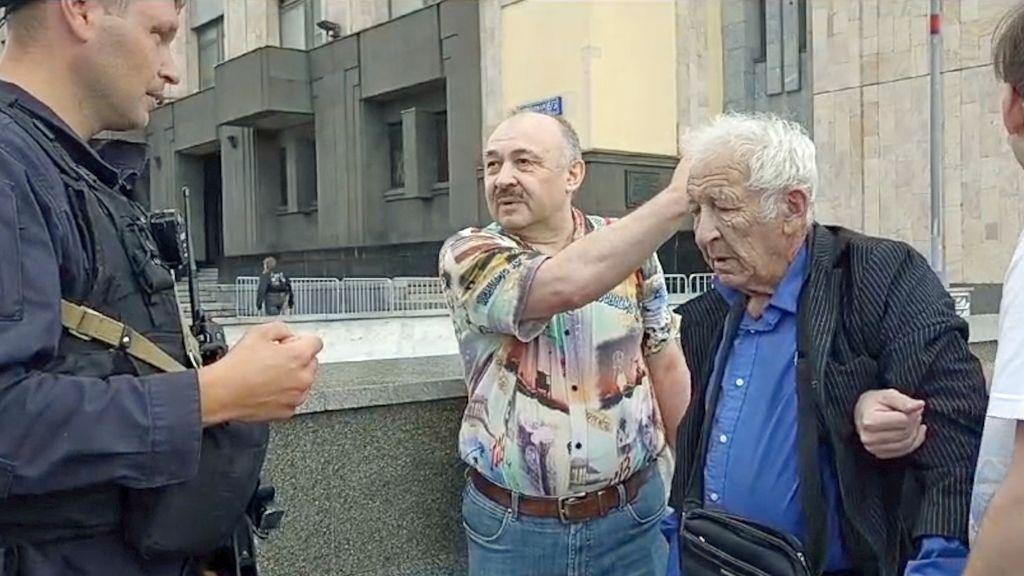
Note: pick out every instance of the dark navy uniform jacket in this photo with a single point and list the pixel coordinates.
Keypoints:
(60, 432)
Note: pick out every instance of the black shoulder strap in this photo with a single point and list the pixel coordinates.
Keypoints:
(809, 440)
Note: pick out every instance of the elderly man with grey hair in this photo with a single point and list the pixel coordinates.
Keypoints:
(804, 321)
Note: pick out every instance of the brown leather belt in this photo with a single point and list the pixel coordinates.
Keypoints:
(572, 508)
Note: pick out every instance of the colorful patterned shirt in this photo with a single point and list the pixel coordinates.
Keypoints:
(560, 406)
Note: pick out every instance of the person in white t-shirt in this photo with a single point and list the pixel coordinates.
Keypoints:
(999, 547)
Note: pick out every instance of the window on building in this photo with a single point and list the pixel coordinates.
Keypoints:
(441, 128)
(762, 28)
(210, 40)
(296, 162)
(803, 25)
(298, 24)
(396, 155)
(282, 162)
(305, 172)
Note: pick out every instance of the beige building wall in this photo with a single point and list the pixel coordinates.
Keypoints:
(492, 94)
(871, 127)
(613, 64)
(545, 53)
(699, 62)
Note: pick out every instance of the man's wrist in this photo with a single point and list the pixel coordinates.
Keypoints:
(213, 404)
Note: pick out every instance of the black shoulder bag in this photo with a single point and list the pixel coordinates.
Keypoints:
(715, 543)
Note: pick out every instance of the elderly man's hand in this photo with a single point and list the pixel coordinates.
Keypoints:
(889, 423)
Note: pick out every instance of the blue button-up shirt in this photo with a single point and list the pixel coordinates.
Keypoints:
(752, 467)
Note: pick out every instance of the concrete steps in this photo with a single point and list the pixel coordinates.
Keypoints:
(218, 300)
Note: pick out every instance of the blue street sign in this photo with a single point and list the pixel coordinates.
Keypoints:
(551, 106)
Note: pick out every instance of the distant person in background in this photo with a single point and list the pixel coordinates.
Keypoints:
(274, 295)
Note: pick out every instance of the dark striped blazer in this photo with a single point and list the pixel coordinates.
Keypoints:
(878, 318)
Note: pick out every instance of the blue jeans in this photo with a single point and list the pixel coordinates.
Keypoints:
(625, 542)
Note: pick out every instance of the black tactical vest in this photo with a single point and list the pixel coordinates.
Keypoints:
(130, 284)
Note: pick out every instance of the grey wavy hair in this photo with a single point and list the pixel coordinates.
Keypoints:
(778, 154)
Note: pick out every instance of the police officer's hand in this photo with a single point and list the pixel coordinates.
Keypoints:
(264, 377)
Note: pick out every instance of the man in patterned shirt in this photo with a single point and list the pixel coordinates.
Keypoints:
(573, 368)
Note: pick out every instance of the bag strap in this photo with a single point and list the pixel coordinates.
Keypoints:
(88, 324)
(810, 441)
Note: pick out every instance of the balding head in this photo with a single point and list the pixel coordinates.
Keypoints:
(570, 140)
(532, 170)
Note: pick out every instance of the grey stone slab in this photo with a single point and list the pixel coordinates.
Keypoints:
(349, 385)
(791, 45)
(405, 52)
(985, 298)
(264, 84)
(773, 45)
(735, 11)
(734, 35)
(368, 491)
(195, 121)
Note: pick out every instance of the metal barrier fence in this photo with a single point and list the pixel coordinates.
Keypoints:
(362, 296)
(393, 296)
(245, 296)
(682, 287)
(699, 283)
(415, 294)
(676, 283)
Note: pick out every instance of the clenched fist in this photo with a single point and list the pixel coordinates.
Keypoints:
(266, 376)
(889, 423)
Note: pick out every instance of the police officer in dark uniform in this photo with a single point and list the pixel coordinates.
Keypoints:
(118, 454)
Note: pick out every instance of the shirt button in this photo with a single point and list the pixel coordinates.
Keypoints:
(723, 438)
(740, 382)
(567, 332)
(575, 387)
(713, 496)
(579, 446)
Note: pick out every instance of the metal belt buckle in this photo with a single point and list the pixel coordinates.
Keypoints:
(568, 500)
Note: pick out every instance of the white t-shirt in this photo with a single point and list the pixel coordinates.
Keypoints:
(1006, 397)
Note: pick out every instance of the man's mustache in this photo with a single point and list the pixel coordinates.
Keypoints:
(509, 196)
